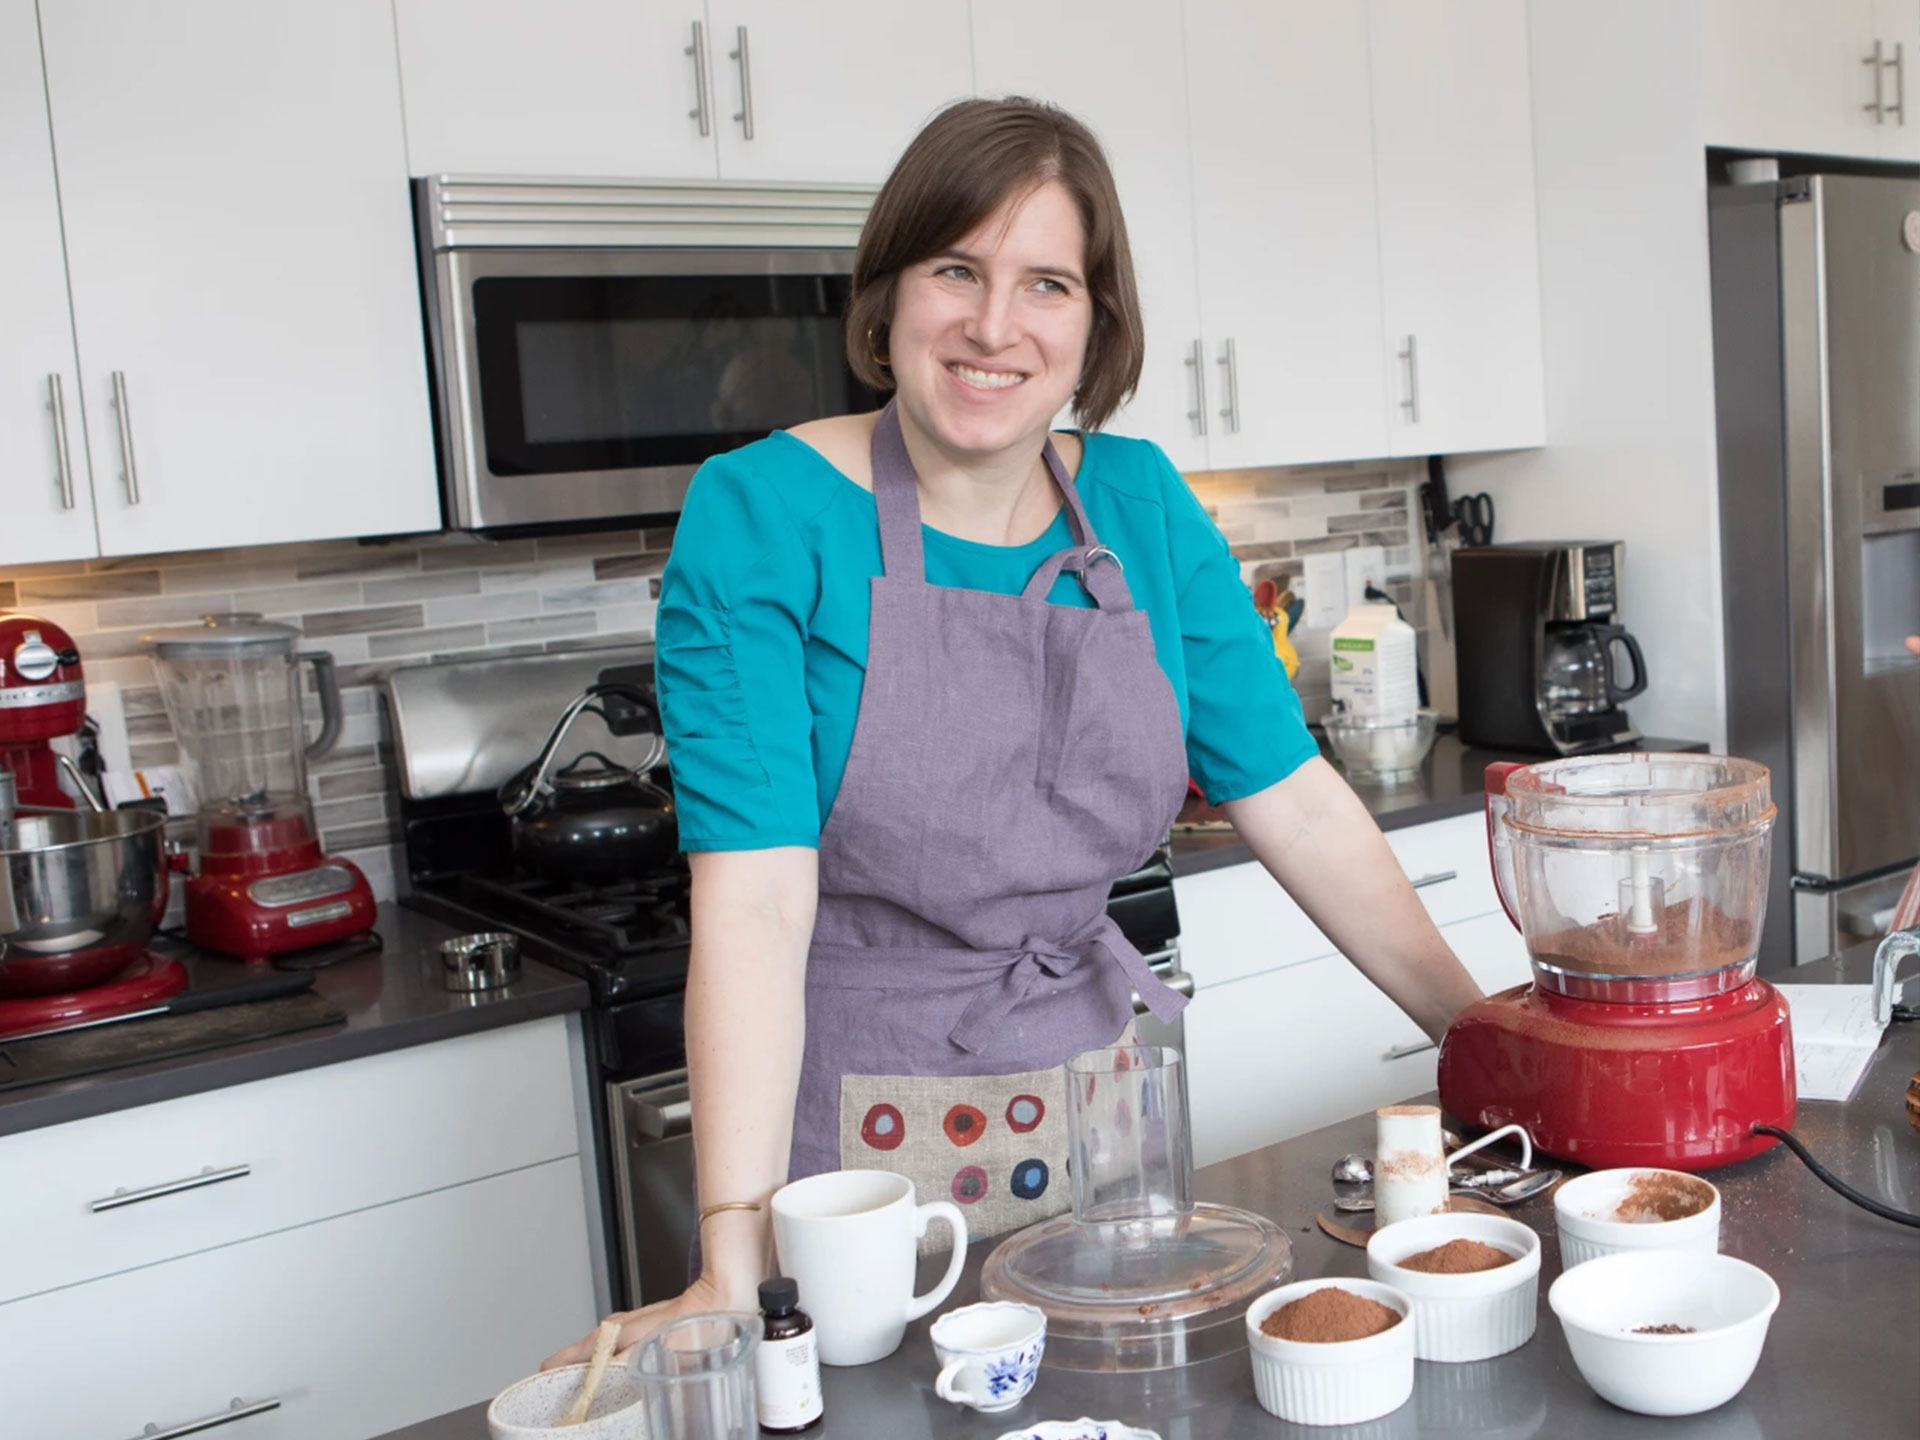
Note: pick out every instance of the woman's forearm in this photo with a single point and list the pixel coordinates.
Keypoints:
(1315, 837)
(752, 918)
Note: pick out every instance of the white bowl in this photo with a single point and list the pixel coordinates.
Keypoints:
(1473, 1316)
(1585, 1210)
(1727, 1302)
(533, 1408)
(1340, 1382)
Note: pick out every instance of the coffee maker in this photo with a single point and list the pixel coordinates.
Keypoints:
(1537, 648)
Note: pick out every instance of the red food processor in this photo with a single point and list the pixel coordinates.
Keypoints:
(42, 696)
(262, 886)
(1640, 884)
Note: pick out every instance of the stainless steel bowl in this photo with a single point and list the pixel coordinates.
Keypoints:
(480, 962)
(79, 892)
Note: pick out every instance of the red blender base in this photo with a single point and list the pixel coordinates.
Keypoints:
(255, 917)
(1676, 1085)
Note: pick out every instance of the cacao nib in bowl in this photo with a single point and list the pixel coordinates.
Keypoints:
(1332, 1382)
(1461, 1315)
(1611, 1211)
(1614, 1309)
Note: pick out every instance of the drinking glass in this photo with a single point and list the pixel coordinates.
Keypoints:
(696, 1378)
(1127, 1129)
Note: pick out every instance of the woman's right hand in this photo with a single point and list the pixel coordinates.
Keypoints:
(702, 1297)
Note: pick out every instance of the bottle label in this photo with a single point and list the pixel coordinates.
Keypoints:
(786, 1376)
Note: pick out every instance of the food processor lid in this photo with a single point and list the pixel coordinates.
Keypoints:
(1639, 796)
(1141, 1294)
(223, 637)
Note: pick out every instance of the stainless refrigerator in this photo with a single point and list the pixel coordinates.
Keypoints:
(1816, 327)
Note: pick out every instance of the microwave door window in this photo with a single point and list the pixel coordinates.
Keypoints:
(585, 373)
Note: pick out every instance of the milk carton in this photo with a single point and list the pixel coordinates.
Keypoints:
(1375, 670)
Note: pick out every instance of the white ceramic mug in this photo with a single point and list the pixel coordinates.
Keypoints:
(989, 1354)
(851, 1240)
(1409, 1166)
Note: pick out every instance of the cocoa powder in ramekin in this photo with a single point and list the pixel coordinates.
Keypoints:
(1329, 1314)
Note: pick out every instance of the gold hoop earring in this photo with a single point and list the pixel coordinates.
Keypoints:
(873, 354)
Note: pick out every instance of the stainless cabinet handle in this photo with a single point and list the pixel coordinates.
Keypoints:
(1197, 362)
(1401, 1052)
(132, 473)
(1874, 61)
(702, 110)
(1230, 412)
(57, 403)
(745, 113)
(1899, 62)
(1412, 403)
(1178, 981)
(238, 1410)
(1439, 877)
(208, 1176)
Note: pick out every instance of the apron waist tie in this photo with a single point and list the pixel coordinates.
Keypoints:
(983, 1020)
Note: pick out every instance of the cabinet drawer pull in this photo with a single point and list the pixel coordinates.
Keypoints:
(740, 54)
(1439, 877)
(238, 1410)
(1899, 62)
(1875, 62)
(1411, 355)
(132, 475)
(702, 110)
(57, 403)
(208, 1176)
(1230, 377)
(1401, 1052)
(1197, 362)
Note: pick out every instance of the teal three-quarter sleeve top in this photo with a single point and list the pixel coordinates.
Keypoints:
(761, 640)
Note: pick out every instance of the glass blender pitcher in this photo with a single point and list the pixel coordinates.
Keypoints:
(1640, 884)
(263, 887)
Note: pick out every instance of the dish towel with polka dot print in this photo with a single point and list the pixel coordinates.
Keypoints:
(1011, 759)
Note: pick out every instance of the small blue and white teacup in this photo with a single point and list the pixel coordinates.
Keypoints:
(989, 1354)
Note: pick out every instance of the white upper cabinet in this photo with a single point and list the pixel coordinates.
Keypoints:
(1284, 216)
(1800, 75)
(240, 249)
(1127, 83)
(831, 90)
(1459, 250)
(566, 87)
(45, 495)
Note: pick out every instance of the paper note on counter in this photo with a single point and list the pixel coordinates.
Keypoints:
(1834, 1037)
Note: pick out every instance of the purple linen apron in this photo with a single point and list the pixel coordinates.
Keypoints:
(1011, 759)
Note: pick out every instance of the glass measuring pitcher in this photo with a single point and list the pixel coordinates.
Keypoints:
(232, 689)
(1639, 877)
(696, 1378)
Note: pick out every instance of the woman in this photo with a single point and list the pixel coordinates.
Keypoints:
(932, 679)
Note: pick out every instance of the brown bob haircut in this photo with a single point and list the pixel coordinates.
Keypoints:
(969, 160)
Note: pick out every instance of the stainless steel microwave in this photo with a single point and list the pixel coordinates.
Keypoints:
(591, 342)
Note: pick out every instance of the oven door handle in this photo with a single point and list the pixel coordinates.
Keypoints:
(663, 1115)
(1166, 965)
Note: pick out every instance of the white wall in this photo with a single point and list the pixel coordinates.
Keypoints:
(1618, 150)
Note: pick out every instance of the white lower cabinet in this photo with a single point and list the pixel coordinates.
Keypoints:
(356, 1326)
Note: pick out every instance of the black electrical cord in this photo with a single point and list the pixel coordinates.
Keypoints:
(1832, 1181)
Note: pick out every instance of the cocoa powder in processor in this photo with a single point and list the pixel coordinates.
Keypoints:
(1329, 1314)
(1695, 936)
(1457, 1257)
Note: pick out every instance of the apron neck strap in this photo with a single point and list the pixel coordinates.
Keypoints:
(896, 495)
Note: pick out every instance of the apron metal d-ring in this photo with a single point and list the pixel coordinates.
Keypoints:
(1092, 554)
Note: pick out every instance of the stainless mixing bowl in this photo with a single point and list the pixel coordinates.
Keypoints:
(80, 895)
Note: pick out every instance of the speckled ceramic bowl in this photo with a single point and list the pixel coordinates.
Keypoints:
(532, 1409)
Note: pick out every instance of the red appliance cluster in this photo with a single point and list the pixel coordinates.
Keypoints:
(42, 696)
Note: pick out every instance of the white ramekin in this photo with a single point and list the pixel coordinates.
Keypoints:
(1473, 1316)
(1340, 1382)
(1584, 1206)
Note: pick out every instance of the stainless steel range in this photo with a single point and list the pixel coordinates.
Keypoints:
(461, 731)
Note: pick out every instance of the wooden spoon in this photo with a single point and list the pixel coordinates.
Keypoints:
(603, 1343)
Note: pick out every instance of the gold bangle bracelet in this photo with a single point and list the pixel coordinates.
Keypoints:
(713, 1210)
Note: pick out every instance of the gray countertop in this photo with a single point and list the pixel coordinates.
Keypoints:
(1450, 782)
(1840, 1357)
(392, 1000)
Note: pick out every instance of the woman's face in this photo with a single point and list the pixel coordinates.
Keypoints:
(988, 338)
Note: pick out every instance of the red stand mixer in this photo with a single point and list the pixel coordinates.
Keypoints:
(42, 696)
(263, 886)
(1640, 883)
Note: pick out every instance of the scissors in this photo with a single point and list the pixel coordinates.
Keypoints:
(1474, 515)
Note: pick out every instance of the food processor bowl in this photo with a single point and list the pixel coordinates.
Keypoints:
(1636, 877)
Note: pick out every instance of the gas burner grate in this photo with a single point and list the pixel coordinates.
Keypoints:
(630, 918)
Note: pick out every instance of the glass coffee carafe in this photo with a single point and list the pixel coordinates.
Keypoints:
(1578, 673)
(232, 688)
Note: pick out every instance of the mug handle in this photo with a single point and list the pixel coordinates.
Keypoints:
(1526, 1145)
(925, 1215)
(946, 1389)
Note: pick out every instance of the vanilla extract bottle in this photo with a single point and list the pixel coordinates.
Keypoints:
(786, 1367)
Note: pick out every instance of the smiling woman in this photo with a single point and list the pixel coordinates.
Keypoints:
(931, 680)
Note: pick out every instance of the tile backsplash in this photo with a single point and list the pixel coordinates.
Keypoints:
(375, 606)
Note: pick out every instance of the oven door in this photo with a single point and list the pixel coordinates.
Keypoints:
(651, 1128)
(588, 385)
